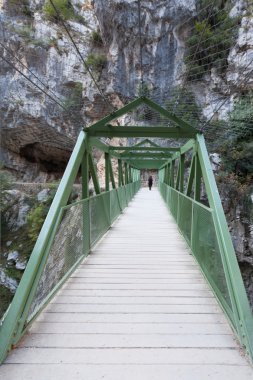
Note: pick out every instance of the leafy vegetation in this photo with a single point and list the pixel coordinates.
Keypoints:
(63, 10)
(6, 298)
(21, 5)
(64, 7)
(96, 62)
(212, 37)
(96, 38)
(37, 216)
(5, 184)
(45, 43)
(25, 32)
(238, 147)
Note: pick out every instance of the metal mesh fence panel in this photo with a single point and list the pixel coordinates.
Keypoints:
(196, 221)
(184, 216)
(122, 197)
(173, 203)
(207, 252)
(66, 249)
(114, 205)
(79, 227)
(99, 216)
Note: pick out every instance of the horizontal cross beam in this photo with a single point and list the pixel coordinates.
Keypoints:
(146, 164)
(145, 148)
(144, 155)
(136, 131)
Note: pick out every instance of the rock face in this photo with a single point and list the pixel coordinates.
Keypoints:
(38, 134)
(162, 43)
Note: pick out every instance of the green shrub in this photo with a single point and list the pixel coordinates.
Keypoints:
(45, 43)
(96, 61)
(65, 11)
(35, 221)
(96, 38)
(64, 7)
(6, 297)
(26, 32)
(80, 19)
(6, 181)
(234, 138)
(22, 6)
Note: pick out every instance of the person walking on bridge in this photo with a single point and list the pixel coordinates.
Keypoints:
(150, 182)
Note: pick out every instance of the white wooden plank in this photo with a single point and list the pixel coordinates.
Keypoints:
(125, 372)
(133, 318)
(131, 328)
(144, 356)
(128, 340)
(65, 299)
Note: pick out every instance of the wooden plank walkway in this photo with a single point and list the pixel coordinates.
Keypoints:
(137, 308)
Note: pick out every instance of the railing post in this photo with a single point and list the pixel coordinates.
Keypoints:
(107, 172)
(86, 205)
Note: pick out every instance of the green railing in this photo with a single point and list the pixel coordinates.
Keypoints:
(197, 225)
(206, 232)
(78, 227)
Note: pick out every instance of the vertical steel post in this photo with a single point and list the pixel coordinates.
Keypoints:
(86, 205)
(94, 175)
(197, 179)
(107, 172)
(182, 169)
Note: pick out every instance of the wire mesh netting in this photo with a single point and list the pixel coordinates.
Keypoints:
(65, 250)
(78, 228)
(196, 223)
(99, 216)
(206, 249)
(184, 218)
(115, 207)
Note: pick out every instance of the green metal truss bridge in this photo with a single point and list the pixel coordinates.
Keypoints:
(143, 257)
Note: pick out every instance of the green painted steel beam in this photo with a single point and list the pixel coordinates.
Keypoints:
(136, 131)
(95, 142)
(240, 304)
(134, 104)
(191, 177)
(115, 115)
(172, 117)
(111, 173)
(146, 141)
(144, 148)
(188, 146)
(120, 174)
(94, 175)
(144, 155)
(147, 164)
(85, 175)
(107, 172)
(11, 329)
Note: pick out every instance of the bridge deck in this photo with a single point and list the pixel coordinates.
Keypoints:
(137, 308)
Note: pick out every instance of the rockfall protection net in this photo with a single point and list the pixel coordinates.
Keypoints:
(79, 227)
(216, 37)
